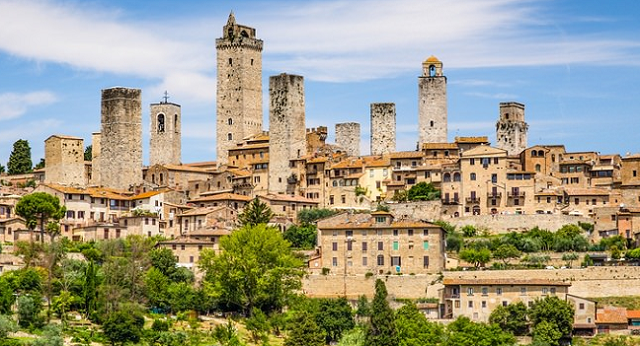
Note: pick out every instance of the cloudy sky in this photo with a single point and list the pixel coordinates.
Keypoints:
(574, 64)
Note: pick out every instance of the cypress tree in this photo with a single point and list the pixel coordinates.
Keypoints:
(381, 330)
(20, 159)
(305, 332)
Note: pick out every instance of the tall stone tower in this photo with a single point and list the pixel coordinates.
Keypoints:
(121, 138)
(239, 91)
(94, 176)
(287, 132)
(165, 142)
(432, 103)
(511, 129)
(383, 128)
(348, 138)
(64, 156)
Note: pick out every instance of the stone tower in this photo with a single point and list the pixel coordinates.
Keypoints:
(239, 90)
(511, 129)
(64, 157)
(94, 175)
(287, 132)
(121, 138)
(165, 131)
(383, 128)
(348, 138)
(432, 103)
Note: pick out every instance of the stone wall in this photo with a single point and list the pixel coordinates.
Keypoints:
(348, 138)
(427, 210)
(383, 128)
(497, 224)
(94, 178)
(398, 286)
(511, 129)
(121, 138)
(64, 156)
(432, 104)
(287, 132)
(165, 134)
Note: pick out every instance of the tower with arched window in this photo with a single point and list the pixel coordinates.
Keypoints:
(165, 134)
(432, 103)
(511, 129)
(239, 88)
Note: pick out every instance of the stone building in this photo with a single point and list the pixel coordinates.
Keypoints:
(120, 151)
(94, 174)
(165, 140)
(432, 103)
(287, 132)
(239, 88)
(348, 138)
(64, 156)
(383, 128)
(511, 129)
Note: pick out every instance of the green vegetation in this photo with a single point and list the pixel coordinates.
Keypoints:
(255, 213)
(20, 158)
(303, 236)
(88, 152)
(42, 208)
(423, 192)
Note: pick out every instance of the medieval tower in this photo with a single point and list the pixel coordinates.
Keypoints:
(64, 156)
(120, 151)
(287, 132)
(511, 129)
(165, 142)
(432, 103)
(239, 89)
(383, 128)
(348, 138)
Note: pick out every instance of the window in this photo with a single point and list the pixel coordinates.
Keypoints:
(229, 136)
(425, 245)
(484, 304)
(504, 303)
(472, 176)
(395, 232)
(494, 178)
(380, 246)
(472, 162)
(380, 260)
(523, 291)
(160, 123)
(470, 305)
(364, 246)
(190, 259)
(499, 291)
(446, 178)
(581, 306)
(230, 121)
(538, 168)
(545, 291)
(396, 246)
(469, 291)
(396, 261)
(410, 233)
(425, 232)
(334, 261)
(553, 290)
(349, 245)
(485, 291)
(425, 262)
(364, 261)
(457, 304)
(456, 176)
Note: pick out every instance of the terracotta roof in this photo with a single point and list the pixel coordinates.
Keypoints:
(481, 139)
(199, 164)
(186, 240)
(376, 161)
(440, 146)
(200, 211)
(288, 198)
(576, 191)
(240, 172)
(633, 313)
(432, 59)
(63, 137)
(184, 168)
(209, 232)
(504, 282)
(367, 221)
(223, 197)
(318, 159)
(147, 194)
(251, 146)
(348, 163)
(406, 154)
(611, 314)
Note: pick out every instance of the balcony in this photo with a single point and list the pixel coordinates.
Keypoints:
(451, 201)
(515, 194)
(472, 200)
(492, 195)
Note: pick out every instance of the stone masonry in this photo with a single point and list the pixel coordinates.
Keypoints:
(432, 103)
(383, 128)
(348, 138)
(165, 139)
(287, 132)
(511, 129)
(121, 138)
(94, 177)
(64, 156)
(239, 89)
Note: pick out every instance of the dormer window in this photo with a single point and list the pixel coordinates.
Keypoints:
(381, 219)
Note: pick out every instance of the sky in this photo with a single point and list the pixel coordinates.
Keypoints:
(574, 64)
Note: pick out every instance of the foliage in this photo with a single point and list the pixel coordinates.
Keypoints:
(570, 257)
(381, 329)
(361, 191)
(258, 326)
(42, 207)
(423, 191)
(40, 164)
(305, 331)
(413, 329)
(88, 153)
(400, 196)
(476, 257)
(463, 332)
(6, 296)
(334, 317)
(363, 307)
(536, 260)
(7, 325)
(302, 237)
(256, 268)
(382, 207)
(121, 327)
(506, 252)
(354, 337)
(156, 285)
(469, 231)
(51, 336)
(546, 333)
(20, 158)
(618, 241)
(29, 307)
(511, 318)
(227, 334)
(551, 319)
(309, 216)
(454, 241)
(255, 213)
(586, 226)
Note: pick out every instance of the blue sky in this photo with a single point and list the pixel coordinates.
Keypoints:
(574, 64)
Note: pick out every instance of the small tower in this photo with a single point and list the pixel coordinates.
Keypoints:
(287, 132)
(511, 129)
(165, 139)
(348, 138)
(239, 89)
(64, 156)
(432, 103)
(383, 128)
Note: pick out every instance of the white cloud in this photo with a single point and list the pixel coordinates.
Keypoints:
(14, 105)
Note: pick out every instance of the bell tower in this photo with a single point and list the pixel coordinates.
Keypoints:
(432, 103)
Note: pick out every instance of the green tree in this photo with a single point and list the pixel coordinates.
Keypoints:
(463, 332)
(413, 329)
(181, 296)
(40, 164)
(255, 213)
(476, 257)
(400, 196)
(41, 207)
(7, 325)
(20, 158)
(506, 252)
(6, 296)
(570, 257)
(354, 337)
(89, 289)
(51, 336)
(2, 169)
(423, 191)
(557, 316)
(334, 317)
(536, 260)
(29, 307)
(301, 237)
(469, 231)
(227, 334)
(88, 153)
(156, 285)
(255, 268)
(122, 327)
(309, 216)
(258, 326)
(381, 329)
(305, 331)
(363, 307)
(511, 318)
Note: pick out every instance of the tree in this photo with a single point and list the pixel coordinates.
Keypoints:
(506, 252)
(354, 337)
(123, 326)
(255, 213)
(302, 237)
(255, 268)
(51, 336)
(156, 284)
(29, 308)
(463, 332)
(20, 158)
(400, 196)
(258, 326)
(6, 296)
(181, 296)
(89, 289)
(7, 325)
(414, 330)
(476, 257)
(511, 318)
(381, 329)
(557, 316)
(309, 216)
(423, 191)
(227, 334)
(42, 207)
(570, 257)
(88, 153)
(40, 164)
(305, 331)
(334, 317)
(2, 169)
(363, 308)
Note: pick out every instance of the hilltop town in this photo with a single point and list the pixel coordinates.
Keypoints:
(429, 223)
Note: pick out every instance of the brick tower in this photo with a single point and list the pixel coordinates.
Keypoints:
(239, 90)
(165, 140)
(511, 129)
(432, 103)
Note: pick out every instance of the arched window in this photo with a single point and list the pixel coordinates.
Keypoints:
(431, 123)
(175, 123)
(553, 157)
(534, 153)
(506, 116)
(538, 168)
(229, 136)
(230, 121)
(432, 71)
(161, 179)
(472, 176)
(446, 178)
(160, 123)
(230, 62)
(456, 176)
(540, 153)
